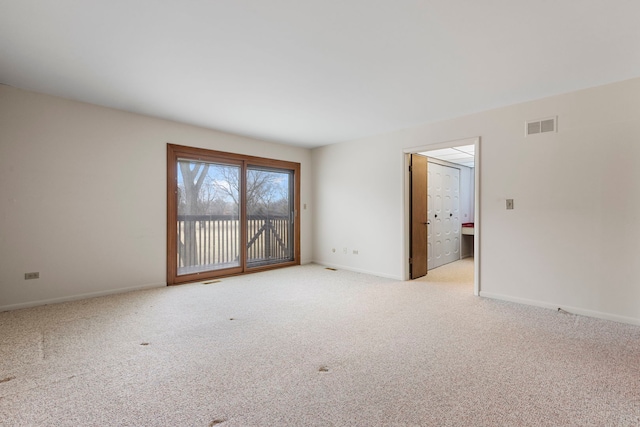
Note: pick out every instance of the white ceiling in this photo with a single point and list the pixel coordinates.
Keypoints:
(464, 155)
(315, 72)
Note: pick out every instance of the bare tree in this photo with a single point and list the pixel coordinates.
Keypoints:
(264, 193)
(193, 175)
(213, 200)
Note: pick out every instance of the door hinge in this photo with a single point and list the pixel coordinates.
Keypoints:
(410, 260)
(409, 168)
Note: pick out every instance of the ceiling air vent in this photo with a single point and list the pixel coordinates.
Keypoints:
(550, 124)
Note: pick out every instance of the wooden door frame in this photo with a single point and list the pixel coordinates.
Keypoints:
(179, 151)
(476, 141)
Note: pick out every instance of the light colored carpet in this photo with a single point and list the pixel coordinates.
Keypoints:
(306, 346)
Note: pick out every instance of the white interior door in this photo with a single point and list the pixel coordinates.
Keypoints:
(443, 212)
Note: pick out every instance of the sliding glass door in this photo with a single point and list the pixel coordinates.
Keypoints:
(208, 231)
(270, 215)
(229, 214)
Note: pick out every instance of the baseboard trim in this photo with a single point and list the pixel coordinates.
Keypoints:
(80, 296)
(569, 309)
(358, 270)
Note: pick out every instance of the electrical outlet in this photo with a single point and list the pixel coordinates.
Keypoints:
(28, 276)
(355, 252)
(509, 203)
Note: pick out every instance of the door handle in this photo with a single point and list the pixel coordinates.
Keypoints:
(427, 223)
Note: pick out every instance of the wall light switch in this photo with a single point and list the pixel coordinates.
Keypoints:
(509, 203)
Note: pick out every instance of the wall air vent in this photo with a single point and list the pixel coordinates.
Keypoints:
(549, 124)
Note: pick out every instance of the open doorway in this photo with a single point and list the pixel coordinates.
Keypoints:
(442, 207)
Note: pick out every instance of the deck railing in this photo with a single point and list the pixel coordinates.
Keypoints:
(209, 242)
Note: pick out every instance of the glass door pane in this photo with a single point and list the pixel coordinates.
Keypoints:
(269, 216)
(208, 221)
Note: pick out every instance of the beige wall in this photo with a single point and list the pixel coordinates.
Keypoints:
(82, 196)
(572, 240)
(82, 199)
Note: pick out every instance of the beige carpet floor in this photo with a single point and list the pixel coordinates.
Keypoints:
(306, 346)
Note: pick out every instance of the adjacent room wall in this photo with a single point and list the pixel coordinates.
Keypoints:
(572, 240)
(467, 191)
(82, 196)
